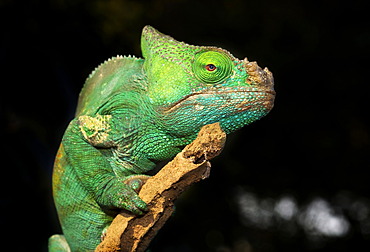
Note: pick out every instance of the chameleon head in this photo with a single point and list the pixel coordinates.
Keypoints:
(196, 85)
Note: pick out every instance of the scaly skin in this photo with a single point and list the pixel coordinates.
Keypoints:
(133, 113)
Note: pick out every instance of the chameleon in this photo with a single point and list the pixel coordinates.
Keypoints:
(135, 112)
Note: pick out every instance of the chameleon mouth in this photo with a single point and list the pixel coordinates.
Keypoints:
(246, 99)
(265, 101)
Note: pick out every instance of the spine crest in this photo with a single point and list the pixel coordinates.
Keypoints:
(118, 57)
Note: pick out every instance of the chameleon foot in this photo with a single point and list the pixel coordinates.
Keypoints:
(136, 181)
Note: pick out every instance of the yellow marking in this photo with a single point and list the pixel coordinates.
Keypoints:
(58, 170)
(95, 129)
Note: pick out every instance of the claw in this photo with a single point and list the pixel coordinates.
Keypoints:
(134, 205)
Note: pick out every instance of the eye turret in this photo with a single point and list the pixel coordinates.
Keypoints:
(212, 67)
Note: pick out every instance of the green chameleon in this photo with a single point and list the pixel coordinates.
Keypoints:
(133, 113)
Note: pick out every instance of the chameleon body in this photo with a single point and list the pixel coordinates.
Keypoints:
(133, 113)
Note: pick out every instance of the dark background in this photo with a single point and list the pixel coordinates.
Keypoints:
(297, 180)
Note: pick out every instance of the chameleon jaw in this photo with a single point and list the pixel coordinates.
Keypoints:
(267, 96)
(233, 107)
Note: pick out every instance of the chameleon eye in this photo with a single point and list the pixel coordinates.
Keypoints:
(212, 67)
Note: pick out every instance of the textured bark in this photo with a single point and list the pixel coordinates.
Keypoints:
(134, 233)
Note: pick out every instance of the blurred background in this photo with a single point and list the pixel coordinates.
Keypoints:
(297, 180)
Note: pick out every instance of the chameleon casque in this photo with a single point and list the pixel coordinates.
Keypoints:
(133, 113)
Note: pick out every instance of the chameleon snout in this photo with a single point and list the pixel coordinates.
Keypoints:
(257, 75)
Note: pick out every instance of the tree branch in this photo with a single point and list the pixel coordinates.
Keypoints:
(133, 233)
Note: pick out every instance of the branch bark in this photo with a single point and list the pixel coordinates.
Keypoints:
(130, 233)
